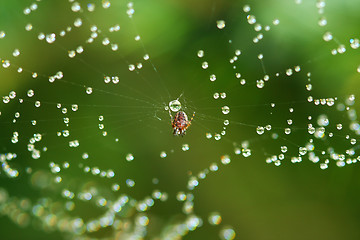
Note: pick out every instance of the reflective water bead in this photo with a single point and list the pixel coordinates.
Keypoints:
(289, 72)
(129, 157)
(225, 159)
(354, 43)
(276, 21)
(105, 4)
(217, 136)
(71, 54)
(260, 83)
(257, 27)
(175, 105)
(225, 109)
(260, 130)
(89, 90)
(91, 7)
(208, 135)
(227, 233)
(327, 36)
(106, 41)
(287, 131)
(283, 149)
(251, 19)
(130, 182)
(205, 65)
(75, 7)
(212, 77)
(163, 154)
(50, 38)
(246, 8)
(78, 22)
(131, 67)
(28, 27)
(220, 24)
(322, 21)
(74, 107)
(185, 147)
(2, 34)
(79, 49)
(341, 49)
(214, 218)
(16, 52)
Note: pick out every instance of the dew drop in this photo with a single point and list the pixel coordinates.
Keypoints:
(205, 65)
(89, 90)
(185, 147)
(220, 24)
(225, 110)
(175, 105)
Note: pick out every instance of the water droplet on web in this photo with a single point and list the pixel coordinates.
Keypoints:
(129, 157)
(212, 77)
(185, 147)
(251, 19)
(214, 218)
(175, 105)
(260, 83)
(227, 233)
(163, 154)
(105, 3)
(225, 159)
(205, 65)
(91, 7)
(71, 53)
(78, 22)
(225, 109)
(130, 183)
(322, 21)
(208, 135)
(50, 38)
(16, 52)
(327, 36)
(89, 90)
(323, 120)
(287, 131)
(30, 93)
(2, 34)
(200, 53)
(276, 21)
(260, 130)
(28, 27)
(220, 24)
(131, 67)
(217, 136)
(289, 72)
(354, 43)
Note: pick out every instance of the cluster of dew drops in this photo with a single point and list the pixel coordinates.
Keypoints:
(43, 208)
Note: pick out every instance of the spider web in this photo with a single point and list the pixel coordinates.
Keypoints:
(85, 123)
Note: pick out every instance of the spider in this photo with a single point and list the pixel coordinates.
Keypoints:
(180, 122)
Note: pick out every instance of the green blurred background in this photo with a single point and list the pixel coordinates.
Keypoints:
(259, 200)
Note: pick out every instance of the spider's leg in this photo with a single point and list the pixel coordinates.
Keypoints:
(189, 122)
(171, 117)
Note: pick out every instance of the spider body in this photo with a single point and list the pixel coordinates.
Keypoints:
(180, 123)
